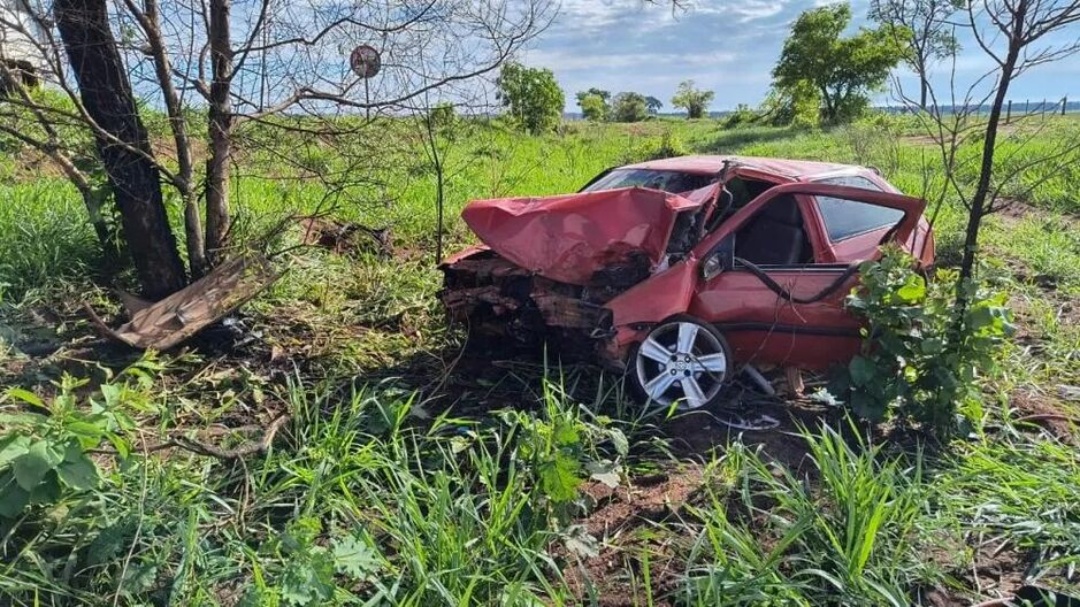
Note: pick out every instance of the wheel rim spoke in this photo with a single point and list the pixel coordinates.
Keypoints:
(651, 349)
(687, 336)
(659, 385)
(694, 396)
(711, 363)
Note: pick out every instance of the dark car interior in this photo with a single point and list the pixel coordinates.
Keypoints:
(775, 236)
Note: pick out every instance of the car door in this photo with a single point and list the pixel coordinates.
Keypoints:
(789, 313)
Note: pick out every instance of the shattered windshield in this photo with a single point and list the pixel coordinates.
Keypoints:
(667, 181)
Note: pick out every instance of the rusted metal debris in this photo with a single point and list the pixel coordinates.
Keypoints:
(175, 319)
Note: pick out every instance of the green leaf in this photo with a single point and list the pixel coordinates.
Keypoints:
(862, 371)
(566, 434)
(85, 430)
(622, 446)
(21, 419)
(77, 470)
(47, 491)
(13, 498)
(558, 478)
(139, 578)
(27, 397)
(913, 289)
(109, 543)
(31, 467)
(308, 581)
(12, 446)
(353, 557)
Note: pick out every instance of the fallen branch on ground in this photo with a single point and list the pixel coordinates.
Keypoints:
(200, 448)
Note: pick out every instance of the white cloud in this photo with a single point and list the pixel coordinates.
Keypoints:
(568, 61)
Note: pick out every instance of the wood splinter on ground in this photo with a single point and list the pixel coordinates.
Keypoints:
(175, 319)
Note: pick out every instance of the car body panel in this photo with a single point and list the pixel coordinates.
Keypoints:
(570, 238)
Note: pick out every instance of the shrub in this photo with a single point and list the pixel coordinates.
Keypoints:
(444, 114)
(593, 107)
(742, 115)
(629, 107)
(914, 364)
(44, 447)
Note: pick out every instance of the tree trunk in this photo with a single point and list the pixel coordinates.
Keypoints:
(193, 230)
(924, 88)
(107, 95)
(979, 199)
(829, 111)
(221, 119)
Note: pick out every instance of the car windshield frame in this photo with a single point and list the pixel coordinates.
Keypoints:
(671, 181)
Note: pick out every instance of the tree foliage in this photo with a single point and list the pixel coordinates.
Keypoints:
(594, 104)
(798, 105)
(924, 25)
(653, 104)
(692, 99)
(629, 107)
(601, 93)
(912, 364)
(593, 107)
(532, 95)
(842, 70)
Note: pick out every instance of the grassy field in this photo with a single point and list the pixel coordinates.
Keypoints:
(406, 472)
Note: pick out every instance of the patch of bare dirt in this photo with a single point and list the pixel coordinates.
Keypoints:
(1038, 409)
(1012, 210)
(621, 522)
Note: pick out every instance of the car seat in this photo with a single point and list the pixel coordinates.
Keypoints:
(775, 236)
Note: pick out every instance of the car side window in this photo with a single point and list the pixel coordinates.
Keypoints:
(848, 218)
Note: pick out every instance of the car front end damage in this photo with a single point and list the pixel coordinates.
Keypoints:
(558, 269)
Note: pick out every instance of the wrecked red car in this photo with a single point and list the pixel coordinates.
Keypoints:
(685, 270)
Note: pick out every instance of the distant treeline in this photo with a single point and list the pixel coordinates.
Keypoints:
(1027, 106)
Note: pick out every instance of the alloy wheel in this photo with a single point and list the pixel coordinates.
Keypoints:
(682, 361)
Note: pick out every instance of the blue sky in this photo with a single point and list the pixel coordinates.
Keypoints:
(728, 46)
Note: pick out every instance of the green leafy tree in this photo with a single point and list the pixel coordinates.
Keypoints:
(604, 95)
(926, 32)
(653, 104)
(629, 107)
(594, 103)
(798, 105)
(693, 100)
(532, 95)
(842, 70)
(593, 107)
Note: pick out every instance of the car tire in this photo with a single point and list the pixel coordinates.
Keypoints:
(683, 362)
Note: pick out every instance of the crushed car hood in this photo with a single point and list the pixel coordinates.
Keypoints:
(576, 238)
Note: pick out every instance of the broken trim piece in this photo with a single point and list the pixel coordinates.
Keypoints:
(175, 319)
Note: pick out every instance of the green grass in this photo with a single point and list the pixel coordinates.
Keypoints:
(398, 480)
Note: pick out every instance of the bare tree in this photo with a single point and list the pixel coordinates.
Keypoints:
(252, 67)
(123, 143)
(925, 27)
(1016, 35)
